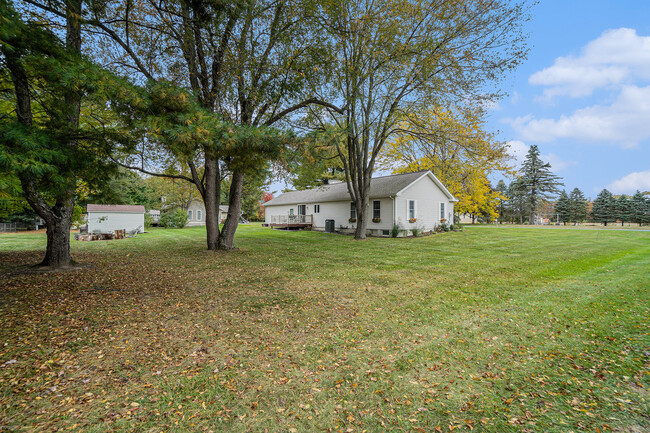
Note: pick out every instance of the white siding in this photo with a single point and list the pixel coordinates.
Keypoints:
(427, 198)
(339, 211)
(110, 221)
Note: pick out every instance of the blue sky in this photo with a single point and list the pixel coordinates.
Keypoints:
(583, 95)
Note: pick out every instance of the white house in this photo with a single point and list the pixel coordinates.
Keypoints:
(106, 218)
(196, 213)
(411, 200)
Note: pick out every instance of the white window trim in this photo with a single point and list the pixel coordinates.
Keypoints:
(189, 215)
(198, 215)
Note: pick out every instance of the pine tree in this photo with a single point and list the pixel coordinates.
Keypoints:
(624, 212)
(578, 206)
(537, 181)
(640, 206)
(517, 201)
(563, 207)
(604, 209)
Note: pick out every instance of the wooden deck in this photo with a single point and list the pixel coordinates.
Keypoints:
(291, 221)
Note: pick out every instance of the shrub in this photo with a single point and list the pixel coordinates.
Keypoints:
(456, 227)
(175, 219)
(394, 232)
(417, 231)
(148, 221)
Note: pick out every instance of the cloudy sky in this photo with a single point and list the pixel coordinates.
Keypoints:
(583, 95)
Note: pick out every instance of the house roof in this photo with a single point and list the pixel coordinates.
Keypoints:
(121, 208)
(385, 186)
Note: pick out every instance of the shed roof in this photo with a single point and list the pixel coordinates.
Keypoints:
(115, 208)
(385, 186)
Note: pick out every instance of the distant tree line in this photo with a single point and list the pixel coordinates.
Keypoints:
(624, 209)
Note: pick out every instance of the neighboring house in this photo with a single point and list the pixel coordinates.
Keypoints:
(196, 213)
(411, 200)
(106, 218)
(155, 216)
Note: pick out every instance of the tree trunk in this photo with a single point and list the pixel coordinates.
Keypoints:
(227, 235)
(362, 218)
(57, 253)
(211, 200)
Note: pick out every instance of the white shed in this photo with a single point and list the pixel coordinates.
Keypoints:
(106, 218)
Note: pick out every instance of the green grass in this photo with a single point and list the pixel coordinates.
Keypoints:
(485, 330)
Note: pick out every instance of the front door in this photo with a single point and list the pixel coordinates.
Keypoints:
(302, 209)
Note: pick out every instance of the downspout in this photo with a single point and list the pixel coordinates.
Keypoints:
(393, 198)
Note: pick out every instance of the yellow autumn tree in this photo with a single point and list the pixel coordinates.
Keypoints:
(453, 144)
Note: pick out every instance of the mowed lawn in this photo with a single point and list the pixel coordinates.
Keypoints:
(490, 329)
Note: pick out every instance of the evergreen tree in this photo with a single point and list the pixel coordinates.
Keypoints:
(537, 181)
(624, 211)
(517, 203)
(502, 200)
(640, 209)
(578, 206)
(604, 209)
(48, 139)
(563, 207)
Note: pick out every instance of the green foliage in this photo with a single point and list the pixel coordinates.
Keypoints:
(442, 227)
(640, 208)
(174, 219)
(537, 183)
(148, 220)
(417, 231)
(395, 230)
(578, 206)
(77, 216)
(563, 207)
(604, 209)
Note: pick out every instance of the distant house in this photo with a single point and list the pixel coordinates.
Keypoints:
(411, 200)
(196, 213)
(155, 216)
(106, 218)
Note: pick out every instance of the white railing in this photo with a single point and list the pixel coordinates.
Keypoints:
(291, 219)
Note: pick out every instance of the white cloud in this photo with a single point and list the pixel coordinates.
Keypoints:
(519, 150)
(616, 58)
(624, 122)
(629, 184)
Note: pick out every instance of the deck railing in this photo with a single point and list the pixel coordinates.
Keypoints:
(291, 219)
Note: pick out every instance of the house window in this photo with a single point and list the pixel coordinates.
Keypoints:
(376, 209)
(291, 211)
(411, 209)
(302, 209)
(442, 210)
(353, 210)
(198, 215)
(316, 208)
(189, 214)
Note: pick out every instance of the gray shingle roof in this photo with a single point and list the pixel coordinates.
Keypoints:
(386, 186)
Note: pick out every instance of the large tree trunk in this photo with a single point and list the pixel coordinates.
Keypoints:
(211, 201)
(227, 235)
(362, 220)
(57, 253)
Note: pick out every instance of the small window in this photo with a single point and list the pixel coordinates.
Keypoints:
(353, 210)
(316, 208)
(376, 209)
(189, 214)
(291, 211)
(385, 232)
(198, 215)
(442, 210)
(411, 208)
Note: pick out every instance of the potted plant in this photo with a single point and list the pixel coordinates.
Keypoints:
(376, 220)
(412, 220)
(443, 220)
(353, 220)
